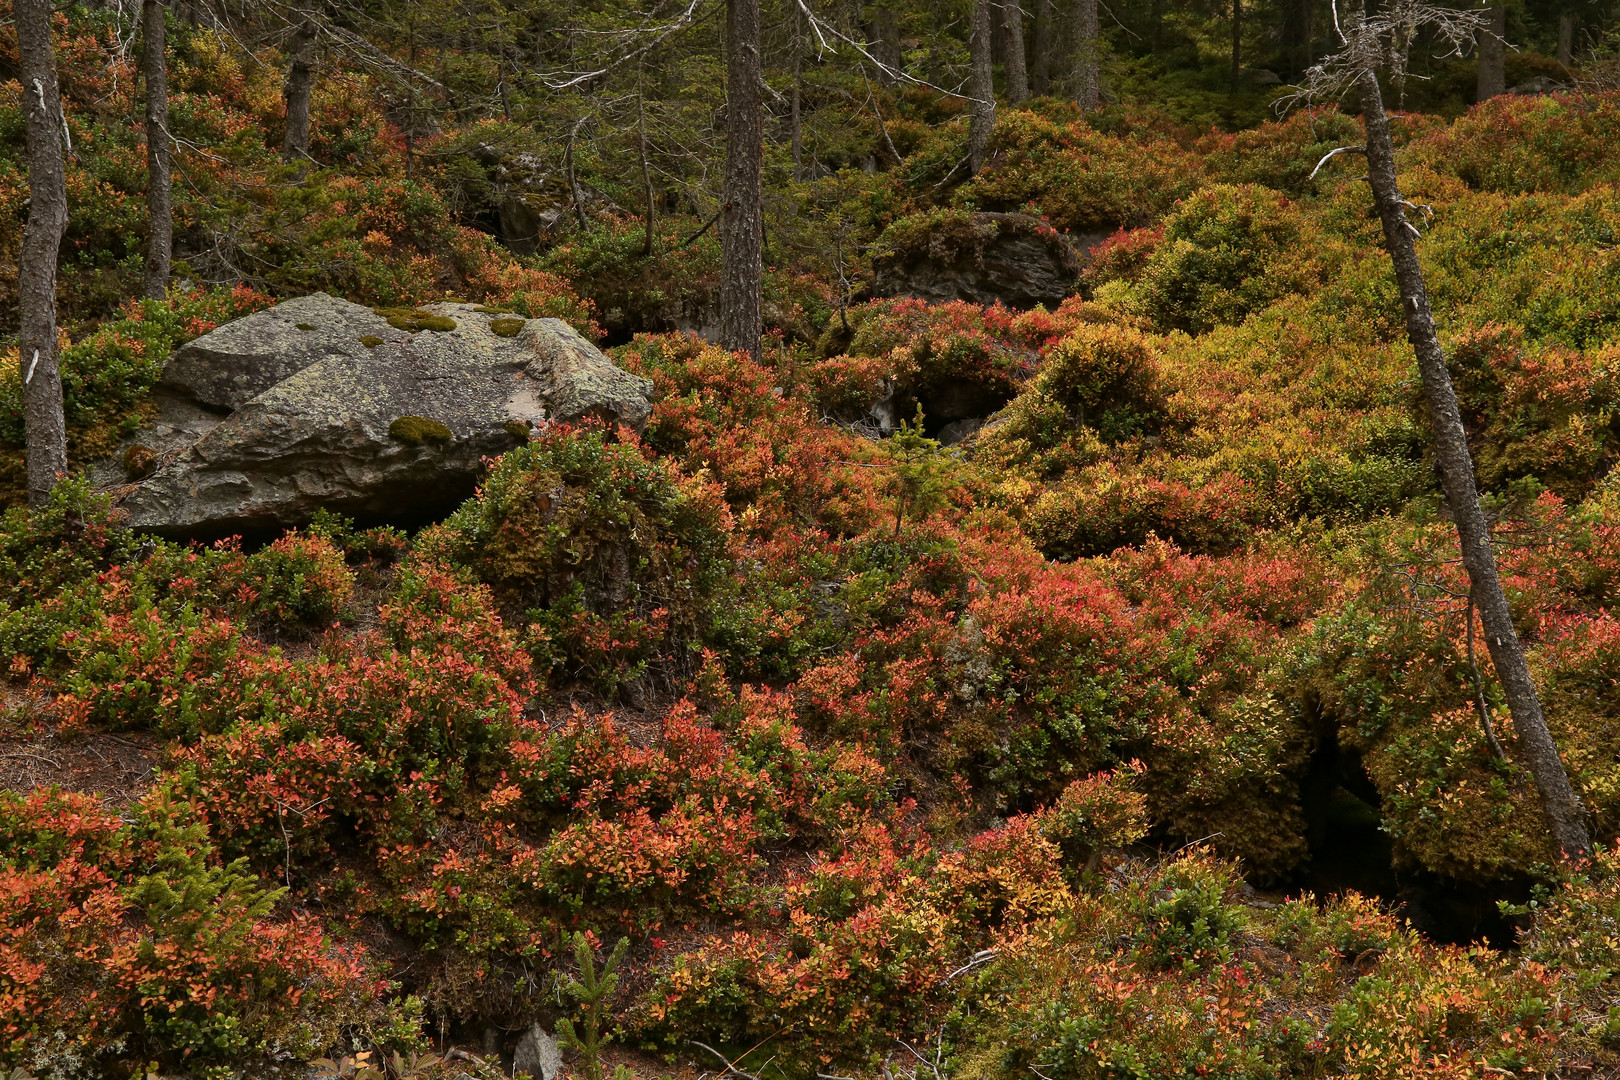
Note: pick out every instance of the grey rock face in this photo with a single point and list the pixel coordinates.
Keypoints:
(538, 1055)
(320, 435)
(1012, 258)
(226, 368)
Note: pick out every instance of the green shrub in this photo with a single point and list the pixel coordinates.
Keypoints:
(1228, 252)
(611, 554)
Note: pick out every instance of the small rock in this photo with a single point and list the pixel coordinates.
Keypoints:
(538, 1055)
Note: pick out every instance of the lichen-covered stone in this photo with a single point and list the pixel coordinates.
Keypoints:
(230, 365)
(328, 435)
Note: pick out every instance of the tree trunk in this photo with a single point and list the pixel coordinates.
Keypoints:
(742, 222)
(1566, 39)
(1492, 56)
(1562, 805)
(646, 170)
(1237, 44)
(886, 41)
(795, 121)
(1087, 84)
(981, 87)
(1305, 33)
(1012, 62)
(1040, 68)
(295, 147)
(159, 212)
(43, 425)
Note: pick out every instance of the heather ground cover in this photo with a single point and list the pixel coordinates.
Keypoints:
(1032, 755)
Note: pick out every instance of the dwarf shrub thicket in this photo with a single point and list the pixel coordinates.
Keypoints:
(855, 741)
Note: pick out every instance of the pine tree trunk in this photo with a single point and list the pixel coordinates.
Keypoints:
(1566, 39)
(795, 121)
(159, 212)
(43, 425)
(1040, 68)
(1012, 62)
(300, 72)
(742, 222)
(1562, 805)
(1493, 56)
(1087, 83)
(1237, 44)
(646, 170)
(886, 42)
(981, 86)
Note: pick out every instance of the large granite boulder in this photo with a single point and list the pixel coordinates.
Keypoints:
(383, 422)
(982, 258)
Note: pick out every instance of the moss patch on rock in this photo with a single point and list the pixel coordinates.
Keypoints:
(518, 430)
(306, 326)
(415, 320)
(371, 341)
(139, 462)
(416, 430)
(507, 327)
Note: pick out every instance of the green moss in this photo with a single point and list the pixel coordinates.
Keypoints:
(306, 326)
(518, 430)
(415, 320)
(507, 327)
(371, 341)
(416, 430)
(139, 462)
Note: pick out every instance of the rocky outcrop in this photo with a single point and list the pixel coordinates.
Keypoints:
(982, 258)
(382, 423)
(224, 369)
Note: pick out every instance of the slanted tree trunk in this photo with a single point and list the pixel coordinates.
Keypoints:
(300, 74)
(1087, 83)
(742, 221)
(1040, 67)
(1566, 39)
(1561, 804)
(1012, 62)
(159, 213)
(1493, 56)
(43, 425)
(981, 86)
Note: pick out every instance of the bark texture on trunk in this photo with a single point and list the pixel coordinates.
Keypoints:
(1565, 814)
(1087, 82)
(1237, 44)
(1566, 39)
(300, 74)
(1012, 62)
(885, 41)
(1493, 56)
(981, 86)
(742, 221)
(646, 170)
(159, 212)
(45, 430)
(1040, 66)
